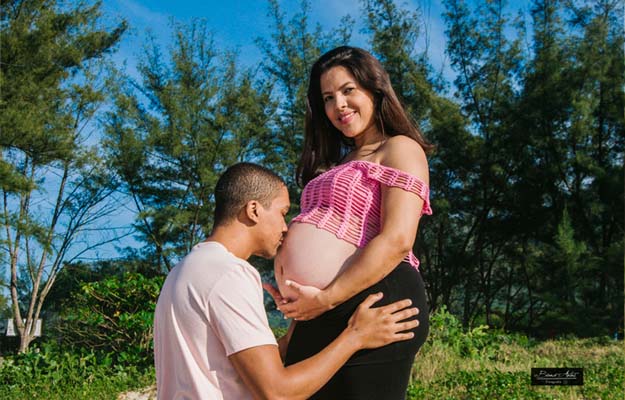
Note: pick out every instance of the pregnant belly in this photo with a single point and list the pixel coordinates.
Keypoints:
(310, 256)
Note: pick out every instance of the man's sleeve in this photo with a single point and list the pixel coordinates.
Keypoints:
(237, 312)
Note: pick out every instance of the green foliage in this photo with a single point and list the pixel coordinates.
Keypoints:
(169, 136)
(483, 364)
(602, 380)
(54, 186)
(51, 372)
(506, 248)
(445, 368)
(447, 331)
(114, 316)
(486, 386)
(73, 275)
(42, 47)
(280, 331)
(527, 231)
(394, 31)
(294, 46)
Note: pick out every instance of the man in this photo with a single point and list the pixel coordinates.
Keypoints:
(211, 335)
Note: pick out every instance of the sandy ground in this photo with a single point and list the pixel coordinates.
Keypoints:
(148, 393)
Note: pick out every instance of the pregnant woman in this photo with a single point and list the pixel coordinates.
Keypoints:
(365, 173)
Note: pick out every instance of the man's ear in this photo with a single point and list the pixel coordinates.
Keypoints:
(252, 209)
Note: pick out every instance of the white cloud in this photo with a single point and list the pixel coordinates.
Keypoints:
(330, 12)
(141, 14)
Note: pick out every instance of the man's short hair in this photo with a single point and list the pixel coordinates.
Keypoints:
(241, 183)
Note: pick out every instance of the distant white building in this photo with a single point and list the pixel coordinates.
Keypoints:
(9, 329)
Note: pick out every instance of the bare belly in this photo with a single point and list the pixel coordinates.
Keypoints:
(310, 256)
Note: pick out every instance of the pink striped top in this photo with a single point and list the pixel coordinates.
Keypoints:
(346, 200)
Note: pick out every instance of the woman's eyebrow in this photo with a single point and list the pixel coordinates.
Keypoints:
(342, 86)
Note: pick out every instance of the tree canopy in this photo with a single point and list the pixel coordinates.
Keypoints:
(526, 176)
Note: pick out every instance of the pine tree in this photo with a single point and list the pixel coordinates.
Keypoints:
(288, 57)
(487, 64)
(54, 185)
(170, 136)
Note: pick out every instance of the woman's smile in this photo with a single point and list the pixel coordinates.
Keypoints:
(346, 118)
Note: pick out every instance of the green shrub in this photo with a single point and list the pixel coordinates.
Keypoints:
(51, 372)
(49, 363)
(480, 363)
(446, 330)
(114, 316)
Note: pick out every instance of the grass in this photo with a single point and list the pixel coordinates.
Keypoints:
(51, 373)
(502, 370)
(98, 388)
(454, 364)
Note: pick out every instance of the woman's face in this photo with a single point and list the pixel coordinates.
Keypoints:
(348, 105)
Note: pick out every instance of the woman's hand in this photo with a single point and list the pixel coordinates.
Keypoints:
(310, 303)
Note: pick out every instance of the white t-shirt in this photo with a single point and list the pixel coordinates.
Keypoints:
(211, 306)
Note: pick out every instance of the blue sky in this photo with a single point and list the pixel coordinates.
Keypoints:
(236, 24)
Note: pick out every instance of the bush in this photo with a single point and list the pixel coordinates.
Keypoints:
(114, 316)
(446, 330)
(481, 363)
(50, 372)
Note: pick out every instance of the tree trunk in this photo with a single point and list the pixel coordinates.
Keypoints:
(25, 340)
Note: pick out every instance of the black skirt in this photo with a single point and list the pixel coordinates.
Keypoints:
(382, 373)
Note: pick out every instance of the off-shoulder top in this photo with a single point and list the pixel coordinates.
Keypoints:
(346, 200)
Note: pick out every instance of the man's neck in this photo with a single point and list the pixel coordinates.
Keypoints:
(234, 239)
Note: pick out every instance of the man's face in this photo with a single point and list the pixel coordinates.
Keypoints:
(272, 225)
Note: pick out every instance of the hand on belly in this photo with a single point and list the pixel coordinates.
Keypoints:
(310, 256)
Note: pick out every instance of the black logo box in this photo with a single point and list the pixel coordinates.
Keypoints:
(557, 376)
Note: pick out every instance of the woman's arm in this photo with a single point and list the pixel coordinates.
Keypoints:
(400, 214)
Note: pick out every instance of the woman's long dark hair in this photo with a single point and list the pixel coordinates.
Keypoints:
(324, 145)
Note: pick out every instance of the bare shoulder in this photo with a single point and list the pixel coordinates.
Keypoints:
(403, 153)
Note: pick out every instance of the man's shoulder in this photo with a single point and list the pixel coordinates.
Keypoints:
(206, 265)
(213, 263)
(236, 280)
(212, 257)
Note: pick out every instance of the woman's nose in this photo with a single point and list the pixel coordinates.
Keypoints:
(341, 102)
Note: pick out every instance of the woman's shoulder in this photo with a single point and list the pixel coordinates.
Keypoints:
(405, 154)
